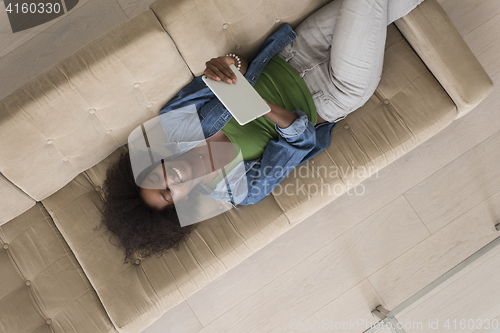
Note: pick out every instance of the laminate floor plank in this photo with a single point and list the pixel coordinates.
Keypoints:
(467, 298)
(179, 319)
(459, 186)
(348, 313)
(485, 44)
(273, 260)
(436, 255)
(467, 15)
(326, 274)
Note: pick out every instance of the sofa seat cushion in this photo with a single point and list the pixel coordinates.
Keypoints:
(43, 288)
(137, 293)
(408, 107)
(77, 112)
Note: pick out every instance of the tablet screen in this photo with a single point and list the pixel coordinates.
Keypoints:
(240, 98)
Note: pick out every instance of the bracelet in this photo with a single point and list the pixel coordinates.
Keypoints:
(235, 57)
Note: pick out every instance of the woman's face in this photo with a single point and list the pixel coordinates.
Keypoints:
(168, 182)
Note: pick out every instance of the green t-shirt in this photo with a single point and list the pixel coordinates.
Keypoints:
(278, 84)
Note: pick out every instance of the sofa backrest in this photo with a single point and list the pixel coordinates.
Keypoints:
(220, 29)
(77, 112)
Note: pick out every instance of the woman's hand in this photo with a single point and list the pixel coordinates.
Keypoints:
(218, 68)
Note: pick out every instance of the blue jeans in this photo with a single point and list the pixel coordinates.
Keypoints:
(339, 52)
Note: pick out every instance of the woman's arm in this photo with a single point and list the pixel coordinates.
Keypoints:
(280, 116)
(218, 68)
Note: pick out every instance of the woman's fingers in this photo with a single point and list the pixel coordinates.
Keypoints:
(217, 72)
(217, 69)
(223, 65)
(211, 75)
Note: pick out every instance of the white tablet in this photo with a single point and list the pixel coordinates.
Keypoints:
(240, 98)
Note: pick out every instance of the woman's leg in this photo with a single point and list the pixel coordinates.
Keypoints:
(357, 52)
(339, 52)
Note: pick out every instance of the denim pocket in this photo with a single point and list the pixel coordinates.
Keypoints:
(329, 109)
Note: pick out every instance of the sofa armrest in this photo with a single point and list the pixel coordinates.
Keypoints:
(433, 36)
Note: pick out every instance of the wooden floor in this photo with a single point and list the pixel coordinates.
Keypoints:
(416, 219)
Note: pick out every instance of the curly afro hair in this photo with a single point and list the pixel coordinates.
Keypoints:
(140, 228)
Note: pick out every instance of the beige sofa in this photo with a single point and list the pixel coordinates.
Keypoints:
(60, 131)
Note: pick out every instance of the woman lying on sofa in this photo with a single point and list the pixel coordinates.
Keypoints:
(311, 79)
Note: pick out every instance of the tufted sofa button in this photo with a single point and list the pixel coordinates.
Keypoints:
(108, 132)
(48, 321)
(137, 85)
(278, 20)
(50, 141)
(92, 111)
(237, 47)
(66, 159)
(28, 283)
(225, 26)
(97, 188)
(386, 101)
(137, 261)
(150, 105)
(5, 246)
(346, 126)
